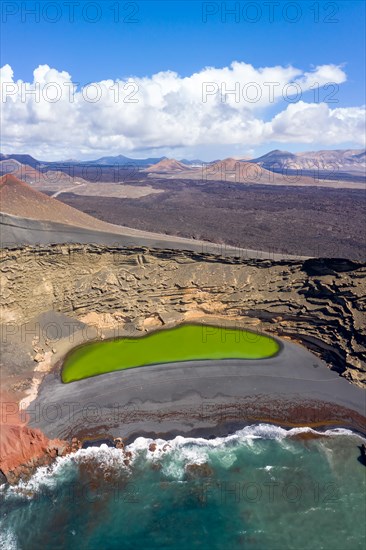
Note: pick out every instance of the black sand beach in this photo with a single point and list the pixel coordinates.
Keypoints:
(189, 398)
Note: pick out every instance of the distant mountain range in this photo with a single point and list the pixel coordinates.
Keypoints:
(344, 164)
(229, 170)
(341, 160)
(28, 160)
(119, 160)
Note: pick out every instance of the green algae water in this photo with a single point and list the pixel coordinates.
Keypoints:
(261, 488)
(182, 343)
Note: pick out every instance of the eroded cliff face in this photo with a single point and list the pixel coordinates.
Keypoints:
(320, 303)
(24, 449)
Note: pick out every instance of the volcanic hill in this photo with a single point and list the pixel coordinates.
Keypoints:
(19, 199)
(166, 165)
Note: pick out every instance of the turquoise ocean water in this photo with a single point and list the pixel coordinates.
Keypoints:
(262, 488)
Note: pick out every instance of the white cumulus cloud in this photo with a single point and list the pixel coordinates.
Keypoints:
(54, 116)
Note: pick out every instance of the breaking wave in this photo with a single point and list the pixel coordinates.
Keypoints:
(174, 455)
(8, 540)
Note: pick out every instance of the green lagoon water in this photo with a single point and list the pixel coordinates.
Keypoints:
(182, 343)
(260, 489)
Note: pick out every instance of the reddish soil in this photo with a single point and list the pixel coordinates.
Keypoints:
(167, 165)
(22, 449)
(19, 199)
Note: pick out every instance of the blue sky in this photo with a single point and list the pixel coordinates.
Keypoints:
(185, 37)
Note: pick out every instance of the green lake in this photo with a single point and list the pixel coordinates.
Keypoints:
(189, 342)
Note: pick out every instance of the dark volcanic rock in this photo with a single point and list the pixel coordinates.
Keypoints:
(328, 266)
(198, 470)
(303, 221)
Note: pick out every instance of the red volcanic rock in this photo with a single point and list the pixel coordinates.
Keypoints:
(53, 452)
(75, 444)
(22, 449)
(118, 443)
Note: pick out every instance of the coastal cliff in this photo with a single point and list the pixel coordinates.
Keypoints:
(24, 449)
(117, 291)
(55, 297)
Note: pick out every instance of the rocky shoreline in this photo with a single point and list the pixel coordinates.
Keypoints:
(55, 297)
(24, 449)
(31, 449)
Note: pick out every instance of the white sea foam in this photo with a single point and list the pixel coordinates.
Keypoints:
(8, 540)
(226, 458)
(246, 435)
(180, 451)
(63, 470)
